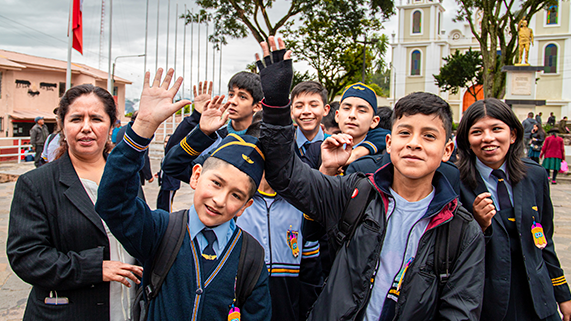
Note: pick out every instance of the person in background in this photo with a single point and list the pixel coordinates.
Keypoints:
(527, 127)
(56, 240)
(116, 128)
(553, 152)
(563, 126)
(330, 126)
(538, 118)
(537, 137)
(38, 135)
(169, 185)
(509, 198)
(551, 119)
(52, 143)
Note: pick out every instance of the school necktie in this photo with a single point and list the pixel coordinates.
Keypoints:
(304, 147)
(208, 254)
(502, 190)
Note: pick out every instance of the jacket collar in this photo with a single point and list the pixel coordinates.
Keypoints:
(442, 205)
(76, 193)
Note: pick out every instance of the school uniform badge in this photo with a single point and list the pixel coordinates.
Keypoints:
(292, 241)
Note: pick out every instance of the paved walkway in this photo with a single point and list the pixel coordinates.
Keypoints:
(14, 292)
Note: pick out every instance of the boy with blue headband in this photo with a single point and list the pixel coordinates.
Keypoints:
(201, 284)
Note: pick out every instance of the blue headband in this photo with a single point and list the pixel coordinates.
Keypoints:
(360, 90)
(243, 153)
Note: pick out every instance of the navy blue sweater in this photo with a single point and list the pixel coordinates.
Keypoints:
(140, 231)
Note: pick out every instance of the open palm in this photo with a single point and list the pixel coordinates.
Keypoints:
(213, 116)
(202, 95)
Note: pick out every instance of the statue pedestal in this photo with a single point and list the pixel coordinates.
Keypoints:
(520, 89)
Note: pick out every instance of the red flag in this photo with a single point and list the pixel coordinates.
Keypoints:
(77, 27)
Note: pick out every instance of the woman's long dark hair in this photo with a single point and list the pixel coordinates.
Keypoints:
(70, 96)
(497, 109)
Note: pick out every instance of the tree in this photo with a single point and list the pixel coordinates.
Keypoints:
(461, 70)
(329, 38)
(494, 25)
(235, 18)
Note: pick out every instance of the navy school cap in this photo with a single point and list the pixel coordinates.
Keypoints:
(244, 153)
(360, 90)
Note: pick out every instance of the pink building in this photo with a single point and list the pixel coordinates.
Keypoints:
(31, 86)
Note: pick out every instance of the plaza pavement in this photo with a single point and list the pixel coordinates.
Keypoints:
(14, 292)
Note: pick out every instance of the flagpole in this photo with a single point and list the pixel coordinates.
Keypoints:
(183, 57)
(69, 45)
(109, 78)
(157, 38)
(146, 36)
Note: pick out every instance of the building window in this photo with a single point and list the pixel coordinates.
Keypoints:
(550, 59)
(415, 63)
(417, 22)
(1, 123)
(551, 18)
(115, 91)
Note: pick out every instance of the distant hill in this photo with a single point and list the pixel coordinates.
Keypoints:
(131, 105)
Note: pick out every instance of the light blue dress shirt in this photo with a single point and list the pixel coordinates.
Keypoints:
(300, 139)
(223, 232)
(491, 181)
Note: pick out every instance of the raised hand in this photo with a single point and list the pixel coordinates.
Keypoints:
(484, 210)
(335, 151)
(202, 95)
(276, 72)
(213, 116)
(156, 103)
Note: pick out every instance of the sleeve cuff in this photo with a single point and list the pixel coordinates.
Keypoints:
(199, 141)
(135, 141)
(277, 115)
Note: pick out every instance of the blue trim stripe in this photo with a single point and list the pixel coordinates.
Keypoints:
(284, 270)
(135, 146)
(372, 146)
(197, 272)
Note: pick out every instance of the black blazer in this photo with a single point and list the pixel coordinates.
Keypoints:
(56, 241)
(542, 266)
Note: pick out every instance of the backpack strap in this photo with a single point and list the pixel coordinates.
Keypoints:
(167, 252)
(352, 213)
(448, 242)
(250, 265)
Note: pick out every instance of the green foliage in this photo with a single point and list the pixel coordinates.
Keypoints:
(461, 70)
(187, 109)
(129, 114)
(301, 77)
(330, 39)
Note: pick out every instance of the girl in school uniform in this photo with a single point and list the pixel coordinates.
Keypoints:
(509, 197)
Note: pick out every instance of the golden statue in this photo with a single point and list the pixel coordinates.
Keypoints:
(525, 40)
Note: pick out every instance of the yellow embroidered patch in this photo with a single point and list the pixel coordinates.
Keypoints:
(247, 159)
(534, 208)
(358, 87)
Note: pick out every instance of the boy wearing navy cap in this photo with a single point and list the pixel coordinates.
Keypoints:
(386, 267)
(200, 285)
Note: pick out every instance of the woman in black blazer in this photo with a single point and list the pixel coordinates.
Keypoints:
(509, 197)
(56, 240)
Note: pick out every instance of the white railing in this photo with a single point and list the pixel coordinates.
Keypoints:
(19, 146)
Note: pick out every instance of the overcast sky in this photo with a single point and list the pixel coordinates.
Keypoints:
(39, 27)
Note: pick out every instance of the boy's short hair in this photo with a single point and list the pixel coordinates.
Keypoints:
(329, 120)
(212, 163)
(310, 87)
(385, 117)
(426, 104)
(248, 81)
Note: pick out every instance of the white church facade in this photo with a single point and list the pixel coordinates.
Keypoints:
(421, 42)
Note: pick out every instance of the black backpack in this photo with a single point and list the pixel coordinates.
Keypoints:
(250, 265)
(448, 236)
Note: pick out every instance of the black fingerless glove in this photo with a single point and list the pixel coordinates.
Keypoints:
(276, 76)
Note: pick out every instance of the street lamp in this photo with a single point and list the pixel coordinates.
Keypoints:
(113, 73)
(365, 43)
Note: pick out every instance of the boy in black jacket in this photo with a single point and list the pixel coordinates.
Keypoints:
(386, 270)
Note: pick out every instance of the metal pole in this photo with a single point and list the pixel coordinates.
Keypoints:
(206, 45)
(109, 80)
(146, 36)
(175, 39)
(213, 63)
(183, 58)
(191, 50)
(69, 45)
(364, 58)
(168, 32)
(157, 39)
(220, 72)
(198, 52)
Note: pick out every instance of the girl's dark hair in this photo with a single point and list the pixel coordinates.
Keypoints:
(497, 109)
(70, 96)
